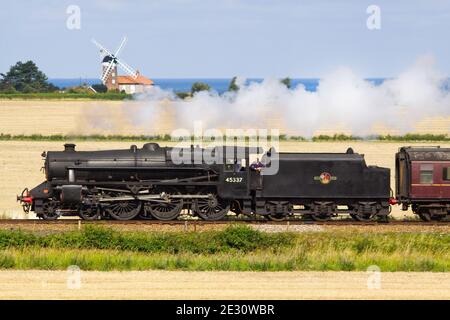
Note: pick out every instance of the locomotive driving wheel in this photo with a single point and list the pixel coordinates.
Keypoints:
(166, 209)
(211, 208)
(123, 210)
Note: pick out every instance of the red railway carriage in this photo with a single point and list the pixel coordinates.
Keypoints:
(423, 181)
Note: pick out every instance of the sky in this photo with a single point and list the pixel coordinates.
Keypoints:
(224, 38)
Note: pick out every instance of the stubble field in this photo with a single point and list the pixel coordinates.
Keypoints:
(182, 285)
(86, 117)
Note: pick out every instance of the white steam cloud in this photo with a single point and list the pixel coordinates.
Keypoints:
(343, 103)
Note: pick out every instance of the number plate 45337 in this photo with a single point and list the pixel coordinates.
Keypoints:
(234, 179)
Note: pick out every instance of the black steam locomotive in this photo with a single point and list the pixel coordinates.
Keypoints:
(152, 183)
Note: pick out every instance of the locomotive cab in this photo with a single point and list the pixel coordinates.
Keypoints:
(236, 176)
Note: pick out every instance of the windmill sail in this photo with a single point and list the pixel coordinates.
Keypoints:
(114, 61)
(128, 69)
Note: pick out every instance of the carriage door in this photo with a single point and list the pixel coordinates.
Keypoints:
(403, 176)
(445, 190)
(234, 179)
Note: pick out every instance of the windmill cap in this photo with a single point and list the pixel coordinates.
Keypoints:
(107, 59)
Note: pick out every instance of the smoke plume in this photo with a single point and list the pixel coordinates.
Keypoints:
(343, 103)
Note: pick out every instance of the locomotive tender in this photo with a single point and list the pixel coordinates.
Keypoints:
(147, 183)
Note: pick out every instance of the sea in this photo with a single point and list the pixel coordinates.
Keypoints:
(219, 85)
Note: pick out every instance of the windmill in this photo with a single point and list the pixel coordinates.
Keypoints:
(109, 65)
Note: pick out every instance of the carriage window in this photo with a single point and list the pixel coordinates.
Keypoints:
(447, 173)
(426, 174)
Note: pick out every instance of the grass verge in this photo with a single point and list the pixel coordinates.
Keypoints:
(237, 248)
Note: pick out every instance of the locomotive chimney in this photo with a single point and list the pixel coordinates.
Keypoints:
(69, 147)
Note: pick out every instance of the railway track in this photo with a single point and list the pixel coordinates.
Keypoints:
(222, 222)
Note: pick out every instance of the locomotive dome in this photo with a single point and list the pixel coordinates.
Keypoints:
(152, 146)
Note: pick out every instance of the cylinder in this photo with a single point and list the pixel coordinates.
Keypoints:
(71, 194)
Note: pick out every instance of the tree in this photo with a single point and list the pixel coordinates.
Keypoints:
(101, 88)
(26, 77)
(28, 89)
(183, 95)
(233, 85)
(7, 88)
(79, 89)
(287, 82)
(199, 86)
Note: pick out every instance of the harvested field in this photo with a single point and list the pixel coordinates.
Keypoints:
(78, 117)
(20, 162)
(119, 117)
(222, 285)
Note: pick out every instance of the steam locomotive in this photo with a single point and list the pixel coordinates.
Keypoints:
(162, 183)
